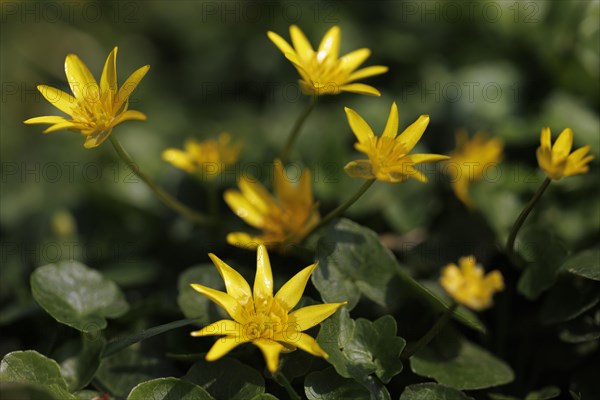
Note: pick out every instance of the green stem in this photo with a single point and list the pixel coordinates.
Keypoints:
(510, 243)
(285, 153)
(431, 334)
(165, 197)
(283, 381)
(339, 210)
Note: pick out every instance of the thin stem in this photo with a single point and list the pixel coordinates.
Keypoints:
(339, 210)
(283, 381)
(510, 243)
(431, 334)
(165, 197)
(285, 153)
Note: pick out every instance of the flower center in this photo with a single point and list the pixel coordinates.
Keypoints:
(326, 73)
(268, 320)
(92, 113)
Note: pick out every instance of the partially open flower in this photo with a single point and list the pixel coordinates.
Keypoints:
(96, 109)
(557, 160)
(259, 317)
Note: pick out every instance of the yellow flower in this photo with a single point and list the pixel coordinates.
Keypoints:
(467, 285)
(261, 318)
(284, 219)
(557, 160)
(94, 110)
(389, 160)
(470, 161)
(322, 71)
(205, 159)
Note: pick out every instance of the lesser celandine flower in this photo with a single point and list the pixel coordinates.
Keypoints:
(94, 109)
(470, 161)
(322, 71)
(467, 284)
(284, 218)
(557, 160)
(259, 317)
(206, 158)
(389, 160)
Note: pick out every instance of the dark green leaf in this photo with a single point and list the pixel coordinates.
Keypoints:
(168, 389)
(582, 329)
(358, 348)
(328, 385)
(192, 303)
(544, 255)
(585, 264)
(569, 298)
(264, 396)
(77, 296)
(31, 391)
(79, 369)
(227, 378)
(546, 393)
(432, 391)
(452, 360)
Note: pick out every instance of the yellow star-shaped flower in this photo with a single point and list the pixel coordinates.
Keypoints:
(322, 71)
(94, 109)
(284, 218)
(259, 317)
(205, 159)
(557, 160)
(467, 285)
(470, 160)
(389, 160)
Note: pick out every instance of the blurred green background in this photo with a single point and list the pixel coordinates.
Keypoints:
(505, 67)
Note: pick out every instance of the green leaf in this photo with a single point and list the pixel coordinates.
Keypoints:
(117, 345)
(454, 361)
(168, 389)
(584, 328)
(226, 378)
(28, 374)
(569, 298)
(353, 262)
(264, 396)
(358, 348)
(544, 255)
(123, 371)
(585, 264)
(79, 368)
(548, 392)
(432, 391)
(328, 385)
(192, 303)
(77, 296)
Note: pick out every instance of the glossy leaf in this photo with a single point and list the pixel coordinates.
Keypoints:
(167, 389)
(79, 368)
(585, 264)
(328, 385)
(432, 391)
(77, 295)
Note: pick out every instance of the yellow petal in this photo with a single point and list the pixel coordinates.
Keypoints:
(411, 135)
(352, 60)
(301, 44)
(422, 158)
(51, 119)
(256, 194)
(223, 346)
(281, 43)
(237, 287)
(129, 115)
(96, 139)
(59, 99)
(225, 301)
(60, 126)
(128, 87)
(360, 88)
(307, 317)
(290, 293)
(271, 351)
(304, 191)
(360, 169)
(263, 282)
(82, 82)
(284, 188)
(243, 208)
(461, 190)
(494, 281)
(391, 127)
(179, 159)
(545, 138)
(562, 146)
(309, 345)
(359, 126)
(367, 72)
(243, 240)
(108, 79)
(330, 45)
(406, 169)
(224, 327)
(575, 156)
